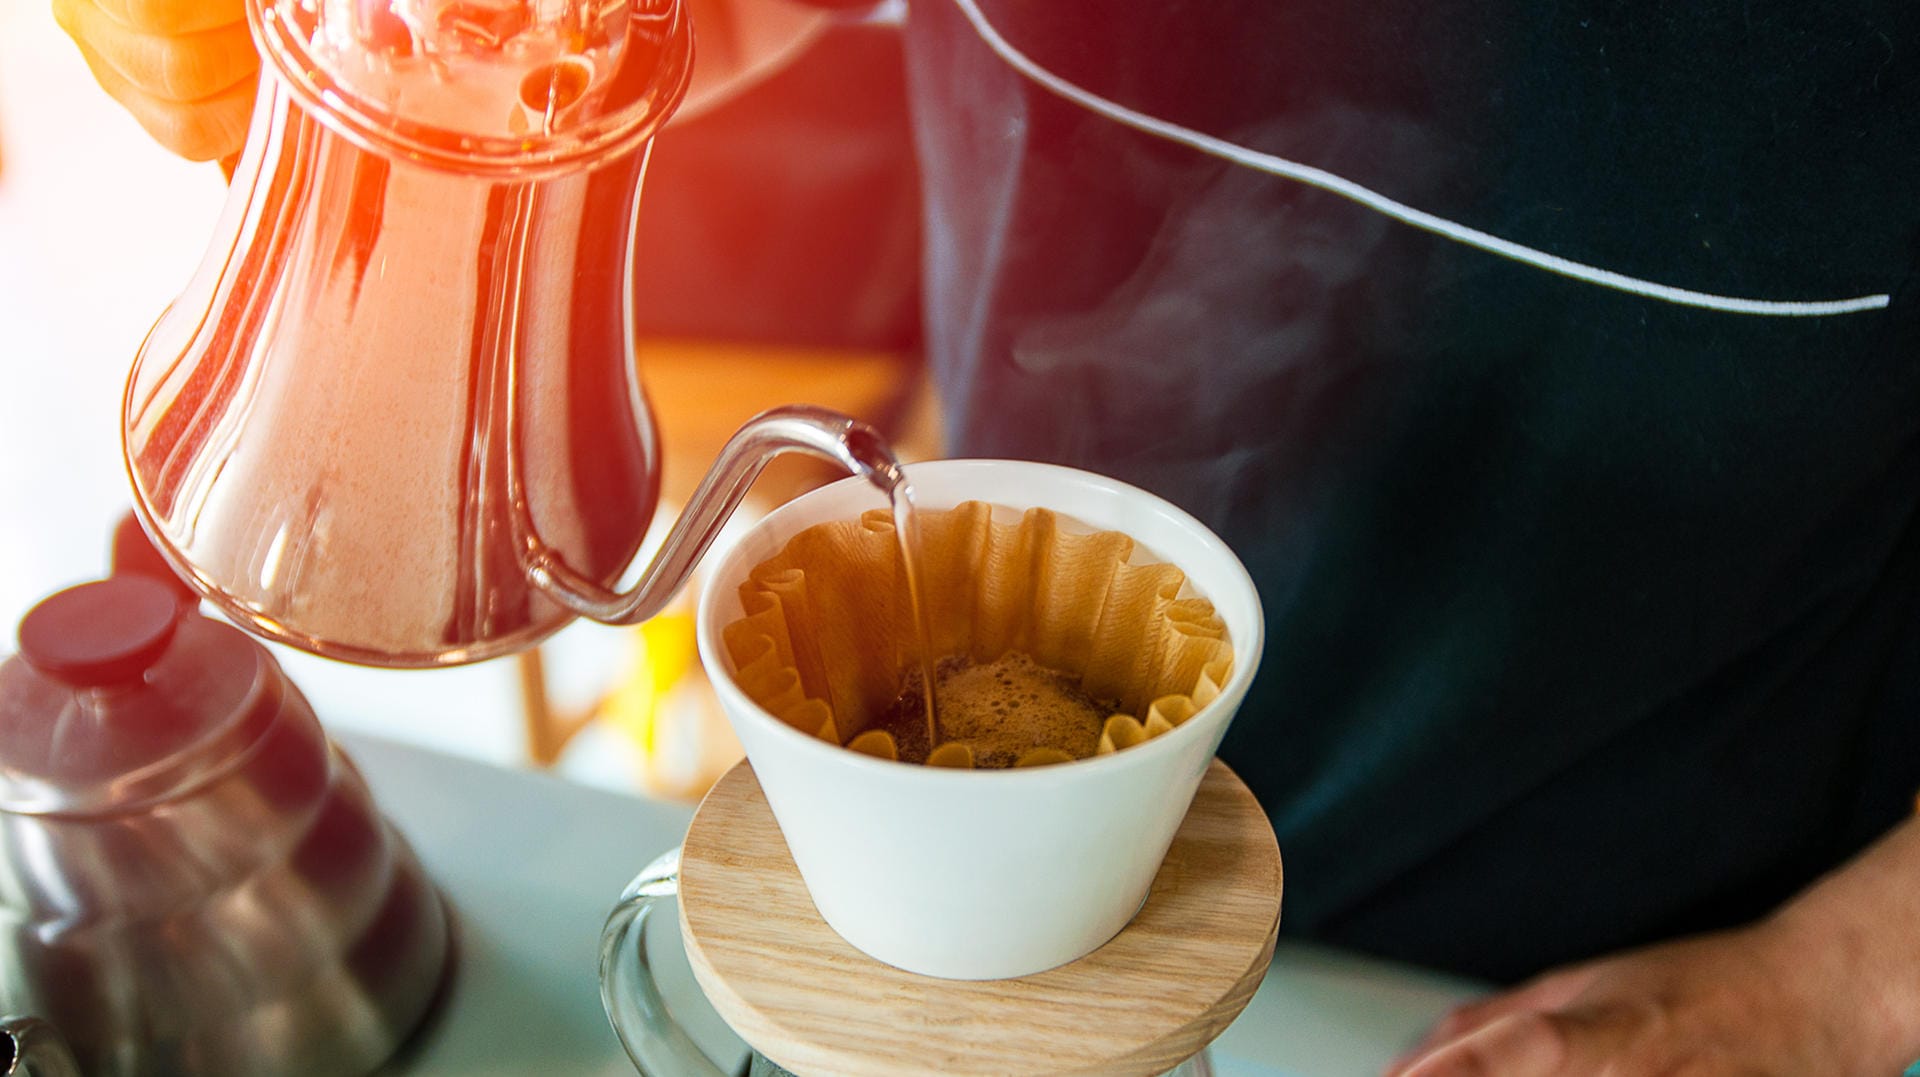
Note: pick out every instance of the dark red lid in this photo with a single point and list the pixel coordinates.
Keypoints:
(100, 633)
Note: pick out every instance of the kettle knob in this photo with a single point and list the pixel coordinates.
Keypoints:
(101, 633)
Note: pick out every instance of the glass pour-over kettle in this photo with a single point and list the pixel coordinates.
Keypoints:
(395, 417)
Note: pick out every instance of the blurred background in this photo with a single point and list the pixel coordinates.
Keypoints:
(762, 281)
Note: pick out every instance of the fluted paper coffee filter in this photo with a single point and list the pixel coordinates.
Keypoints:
(828, 629)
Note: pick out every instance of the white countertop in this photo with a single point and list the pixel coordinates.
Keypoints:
(531, 864)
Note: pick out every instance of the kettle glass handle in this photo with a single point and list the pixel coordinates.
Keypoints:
(30, 1047)
(658, 1046)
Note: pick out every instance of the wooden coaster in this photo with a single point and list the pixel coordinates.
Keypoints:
(1140, 1005)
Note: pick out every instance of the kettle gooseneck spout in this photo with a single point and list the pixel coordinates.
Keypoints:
(853, 445)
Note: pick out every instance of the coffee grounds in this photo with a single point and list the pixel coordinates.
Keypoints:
(1001, 709)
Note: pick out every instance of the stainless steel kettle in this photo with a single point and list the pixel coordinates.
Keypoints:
(395, 418)
(193, 880)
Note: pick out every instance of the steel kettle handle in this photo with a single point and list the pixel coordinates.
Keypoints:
(30, 1047)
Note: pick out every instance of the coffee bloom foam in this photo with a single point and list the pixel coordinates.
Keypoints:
(827, 628)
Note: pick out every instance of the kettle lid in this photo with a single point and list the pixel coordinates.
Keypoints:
(102, 633)
(121, 694)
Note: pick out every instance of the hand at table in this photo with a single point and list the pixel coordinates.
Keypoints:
(1782, 997)
(185, 69)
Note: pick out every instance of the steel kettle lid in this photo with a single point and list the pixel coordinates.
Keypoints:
(122, 695)
(107, 632)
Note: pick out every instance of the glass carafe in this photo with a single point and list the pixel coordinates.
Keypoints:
(395, 417)
(646, 1020)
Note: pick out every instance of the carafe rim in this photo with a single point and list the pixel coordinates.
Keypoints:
(377, 130)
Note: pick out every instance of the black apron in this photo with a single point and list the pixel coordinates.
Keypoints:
(1592, 618)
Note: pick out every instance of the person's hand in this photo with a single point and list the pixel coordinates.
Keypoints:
(1782, 997)
(185, 69)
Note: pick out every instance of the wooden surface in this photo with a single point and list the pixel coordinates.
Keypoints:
(1141, 1004)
